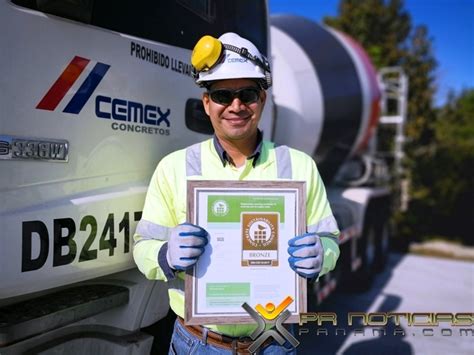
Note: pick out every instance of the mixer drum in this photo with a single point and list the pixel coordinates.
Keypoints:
(325, 89)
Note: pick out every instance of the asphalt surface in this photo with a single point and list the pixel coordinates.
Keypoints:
(409, 284)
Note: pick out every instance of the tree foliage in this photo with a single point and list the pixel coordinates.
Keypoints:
(378, 26)
(419, 64)
(384, 29)
(444, 179)
(440, 143)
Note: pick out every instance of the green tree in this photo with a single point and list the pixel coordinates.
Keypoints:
(384, 29)
(419, 64)
(443, 176)
(380, 27)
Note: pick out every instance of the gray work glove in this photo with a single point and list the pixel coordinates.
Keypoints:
(185, 245)
(306, 255)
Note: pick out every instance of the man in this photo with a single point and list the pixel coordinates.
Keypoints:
(236, 76)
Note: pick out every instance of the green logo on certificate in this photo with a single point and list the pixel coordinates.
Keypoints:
(220, 208)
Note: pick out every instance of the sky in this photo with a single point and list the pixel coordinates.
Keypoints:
(450, 25)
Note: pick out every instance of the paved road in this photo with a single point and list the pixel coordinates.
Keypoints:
(410, 284)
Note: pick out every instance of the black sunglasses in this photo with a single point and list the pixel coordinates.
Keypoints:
(246, 95)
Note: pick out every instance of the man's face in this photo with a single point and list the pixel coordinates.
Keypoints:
(236, 120)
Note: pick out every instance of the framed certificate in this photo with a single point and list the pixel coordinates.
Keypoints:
(246, 260)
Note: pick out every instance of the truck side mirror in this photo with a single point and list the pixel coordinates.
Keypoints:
(196, 118)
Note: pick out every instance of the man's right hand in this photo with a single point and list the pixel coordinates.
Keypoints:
(185, 245)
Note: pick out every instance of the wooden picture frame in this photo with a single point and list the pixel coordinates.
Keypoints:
(269, 214)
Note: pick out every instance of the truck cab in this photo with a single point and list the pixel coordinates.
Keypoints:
(94, 95)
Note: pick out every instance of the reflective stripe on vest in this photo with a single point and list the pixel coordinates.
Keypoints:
(283, 161)
(193, 160)
(282, 155)
(324, 228)
(148, 230)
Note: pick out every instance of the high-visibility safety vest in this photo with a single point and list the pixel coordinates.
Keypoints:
(165, 207)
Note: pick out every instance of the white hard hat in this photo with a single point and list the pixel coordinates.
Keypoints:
(239, 59)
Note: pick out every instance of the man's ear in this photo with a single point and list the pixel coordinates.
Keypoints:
(205, 102)
(263, 96)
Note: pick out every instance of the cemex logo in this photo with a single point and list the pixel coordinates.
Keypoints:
(275, 317)
(116, 109)
(67, 79)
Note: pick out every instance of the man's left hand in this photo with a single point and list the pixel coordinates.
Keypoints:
(306, 255)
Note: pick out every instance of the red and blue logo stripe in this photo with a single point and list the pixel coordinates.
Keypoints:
(67, 79)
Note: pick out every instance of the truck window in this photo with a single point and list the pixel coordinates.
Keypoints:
(179, 23)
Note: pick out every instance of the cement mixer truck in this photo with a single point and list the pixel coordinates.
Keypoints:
(95, 93)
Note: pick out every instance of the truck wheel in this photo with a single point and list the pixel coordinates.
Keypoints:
(383, 246)
(363, 277)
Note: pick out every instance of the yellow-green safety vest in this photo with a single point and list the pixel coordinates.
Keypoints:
(165, 207)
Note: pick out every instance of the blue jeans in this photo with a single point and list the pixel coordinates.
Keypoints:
(185, 343)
